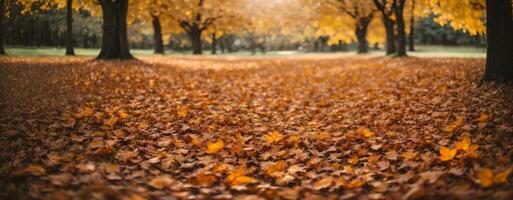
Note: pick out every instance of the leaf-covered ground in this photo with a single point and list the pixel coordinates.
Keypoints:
(323, 127)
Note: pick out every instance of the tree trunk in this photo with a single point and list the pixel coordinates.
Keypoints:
(401, 32)
(390, 35)
(411, 43)
(361, 35)
(157, 35)
(195, 36)
(221, 44)
(214, 44)
(70, 51)
(2, 8)
(499, 31)
(114, 38)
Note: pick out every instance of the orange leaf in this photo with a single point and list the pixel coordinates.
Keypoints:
(214, 147)
(447, 154)
(273, 137)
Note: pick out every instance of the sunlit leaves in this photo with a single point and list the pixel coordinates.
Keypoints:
(214, 147)
(273, 137)
(447, 154)
(487, 178)
(238, 177)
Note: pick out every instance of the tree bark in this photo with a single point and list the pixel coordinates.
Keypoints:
(114, 38)
(157, 35)
(221, 44)
(389, 26)
(390, 35)
(411, 43)
(361, 35)
(499, 31)
(401, 32)
(70, 51)
(214, 44)
(195, 36)
(2, 9)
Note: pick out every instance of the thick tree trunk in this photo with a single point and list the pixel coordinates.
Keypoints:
(411, 42)
(2, 8)
(157, 35)
(214, 44)
(401, 32)
(195, 36)
(70, 51)
(114, 38)
(390, 35)
(499, 31)
(361, 36)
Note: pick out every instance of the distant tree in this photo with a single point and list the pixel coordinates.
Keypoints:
(386, 10)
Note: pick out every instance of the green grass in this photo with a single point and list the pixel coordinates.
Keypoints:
(421, 51)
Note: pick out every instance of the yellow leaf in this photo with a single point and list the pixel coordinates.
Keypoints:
(122, 114)
(214, 147)
(294, 139)
(237, 177)
(112, 121)
(323, 183)
(502, 178)
(273, 137)
(276, 167)
(408, 155)
(454, 125)
(366, 132)
(485, 177)
(447, 154)
(463, 145)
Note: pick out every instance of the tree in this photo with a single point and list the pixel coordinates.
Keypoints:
(2, 14)
(70, 51)
(196, 16)
(398, 7)
(114, 37)
(499, 31)
(385, 8)
(362, 12)
(411, 41)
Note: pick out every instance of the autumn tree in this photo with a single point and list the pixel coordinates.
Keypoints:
(114, 37)
(149, 11)
(398, 7)
(196, 16)
(386, 9)
(362, 12)
(468, 16)
(29, 5)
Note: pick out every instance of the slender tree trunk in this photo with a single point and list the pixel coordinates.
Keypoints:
(115, 38)
(401, 32)
(499, 31)
(221, 44)
(412, 27)
(157, 35)
(70, 51)
(390, 35)
(214, 44)
(361, 35)
(195, 36)
(2, 9)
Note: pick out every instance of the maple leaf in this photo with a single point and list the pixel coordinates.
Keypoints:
(366, 132)
(122, 114)
(456, 124)
(237, 177)
(182, 113)
(447, 154)
(214, 147)
(486, 177)
(463, 145)
(273, 137)
(275, 167)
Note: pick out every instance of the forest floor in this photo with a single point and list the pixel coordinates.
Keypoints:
(307, 127)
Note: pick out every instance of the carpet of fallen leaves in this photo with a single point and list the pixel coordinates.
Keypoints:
(323, 127)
